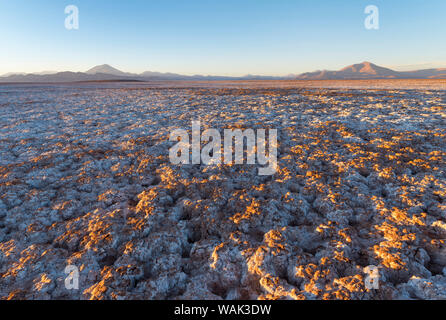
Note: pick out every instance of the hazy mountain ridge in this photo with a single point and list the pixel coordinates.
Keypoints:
(363, 71)
(108, 73)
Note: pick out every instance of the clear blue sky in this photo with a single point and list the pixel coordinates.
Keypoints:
(226, 37)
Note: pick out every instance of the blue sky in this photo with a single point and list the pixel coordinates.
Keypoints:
(230, 37)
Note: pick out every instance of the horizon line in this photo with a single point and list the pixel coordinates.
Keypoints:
(400, 68)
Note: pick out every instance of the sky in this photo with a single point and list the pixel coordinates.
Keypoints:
(224, 37)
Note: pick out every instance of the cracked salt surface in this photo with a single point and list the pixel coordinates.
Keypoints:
(85, 180)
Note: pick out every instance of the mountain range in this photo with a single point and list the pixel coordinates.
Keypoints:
(364, 70)
(368, 70)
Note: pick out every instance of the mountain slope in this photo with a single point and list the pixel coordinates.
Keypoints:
(107, 69)
(364, 70)
(427, 73)
(368, 70)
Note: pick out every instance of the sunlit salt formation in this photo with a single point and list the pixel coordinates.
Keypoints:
(85, 180)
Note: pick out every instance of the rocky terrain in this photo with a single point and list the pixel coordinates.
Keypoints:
(85, 180)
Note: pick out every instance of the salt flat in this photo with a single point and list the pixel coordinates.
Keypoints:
(85, 180)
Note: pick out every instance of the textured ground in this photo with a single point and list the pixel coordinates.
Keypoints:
(85, 180)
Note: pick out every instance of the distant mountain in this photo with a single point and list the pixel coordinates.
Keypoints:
(364, 70)
(107, 69)
(14, 74)
(427, 73)
(62, 77)
(108, 73)
(160, 74)
(42, 73)
(368, 70)
(23, 73)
